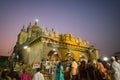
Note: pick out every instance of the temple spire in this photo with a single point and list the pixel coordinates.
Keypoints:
(23, 29)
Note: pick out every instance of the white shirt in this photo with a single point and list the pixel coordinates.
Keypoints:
(116, 67)
(38, 76)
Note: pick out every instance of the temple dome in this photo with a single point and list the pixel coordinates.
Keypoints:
(35, 28)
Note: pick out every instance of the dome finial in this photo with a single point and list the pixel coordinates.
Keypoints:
(36, 21)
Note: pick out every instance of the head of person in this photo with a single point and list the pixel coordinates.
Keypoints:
(117, 58)
(83, 62)
(24, 71)
(59, 64)
(38, 69)
(73, 59)
(113, 59)
(99, 60)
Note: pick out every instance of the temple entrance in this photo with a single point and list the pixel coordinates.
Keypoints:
(54, 55)
(69, 56)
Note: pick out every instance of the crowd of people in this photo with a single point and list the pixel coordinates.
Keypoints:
(68, 70)
(87, 70)
(13, 75)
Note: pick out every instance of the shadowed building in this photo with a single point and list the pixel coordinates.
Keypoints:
(36, 43)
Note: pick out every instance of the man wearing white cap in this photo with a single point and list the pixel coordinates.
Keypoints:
(116, 67)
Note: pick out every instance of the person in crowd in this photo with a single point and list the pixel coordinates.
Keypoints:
(38, 75)
(67, 73)
(116, 67)
(107, 65)
(90, 68)
(83, 71)
(14, 75)
(4, 76)
(25, 75)
(59, 72)
(47, 66)
(74, 68)
(117, 59)
(101, 70)
(53, 73)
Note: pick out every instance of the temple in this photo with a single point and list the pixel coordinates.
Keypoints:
(35, 44)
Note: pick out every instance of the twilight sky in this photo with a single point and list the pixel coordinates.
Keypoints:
(97, 21)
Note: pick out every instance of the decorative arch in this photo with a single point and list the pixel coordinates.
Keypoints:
(54, 55)
(69, 56)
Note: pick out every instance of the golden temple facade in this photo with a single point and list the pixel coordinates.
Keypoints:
(36, 43)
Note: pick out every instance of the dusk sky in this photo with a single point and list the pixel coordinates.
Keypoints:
(97, 21)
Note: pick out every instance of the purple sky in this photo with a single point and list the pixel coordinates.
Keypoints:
(97, 21)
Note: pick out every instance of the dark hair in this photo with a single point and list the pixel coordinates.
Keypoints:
(99, 60)
(82, 65)
(73, 59)
(38, 69)
(83, 62)
(24, 70)
(59, 64)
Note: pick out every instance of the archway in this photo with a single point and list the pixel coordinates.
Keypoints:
(69, 56)
(54, 55)
(83, 57)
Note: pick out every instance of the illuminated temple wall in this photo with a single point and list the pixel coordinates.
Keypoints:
(41, 41)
